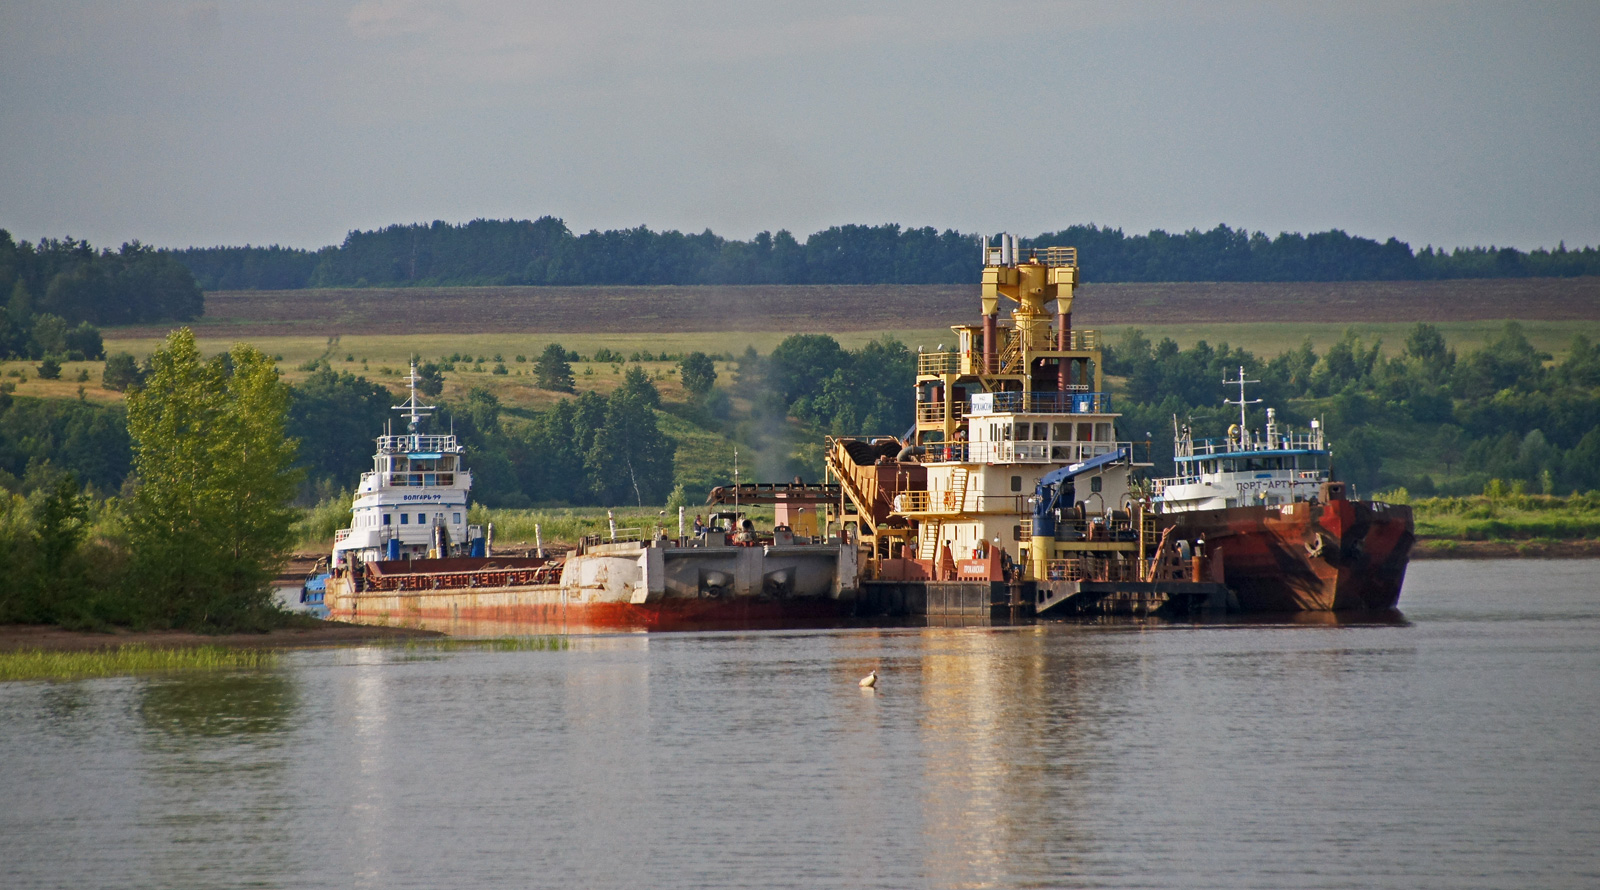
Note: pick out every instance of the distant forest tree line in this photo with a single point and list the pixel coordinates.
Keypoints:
(57, 291)
(546, 252)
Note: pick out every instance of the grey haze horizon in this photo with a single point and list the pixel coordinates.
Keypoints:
(198, 124)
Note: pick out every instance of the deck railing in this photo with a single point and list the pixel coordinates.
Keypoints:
(1284, 442)
(942, 501)
(1017, 452)
(937, 363)
(1091, 569)
(1076, 401)
(933, 412)
(416, 443)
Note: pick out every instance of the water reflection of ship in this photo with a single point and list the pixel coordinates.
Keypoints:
(1006, 760)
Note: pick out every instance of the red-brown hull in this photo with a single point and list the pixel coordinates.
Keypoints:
(1335, 556)
(457, 614)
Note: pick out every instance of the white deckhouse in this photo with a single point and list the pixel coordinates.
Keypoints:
(413, 503)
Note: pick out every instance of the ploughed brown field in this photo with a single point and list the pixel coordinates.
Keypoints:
(834, 308)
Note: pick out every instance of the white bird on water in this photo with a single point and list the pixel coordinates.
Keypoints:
(870, 681)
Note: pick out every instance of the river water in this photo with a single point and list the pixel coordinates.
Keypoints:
(1460, 748)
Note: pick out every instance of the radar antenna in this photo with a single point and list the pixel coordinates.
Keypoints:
(1242, 402)
(413, 411)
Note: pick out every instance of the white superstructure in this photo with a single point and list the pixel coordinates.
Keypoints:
(413, 503)
(1246, 469)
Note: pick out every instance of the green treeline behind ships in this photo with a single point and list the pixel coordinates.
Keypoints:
(1413, 414)
(546, 252)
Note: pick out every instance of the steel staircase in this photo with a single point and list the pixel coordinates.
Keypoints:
(928, 547)
(953, 501)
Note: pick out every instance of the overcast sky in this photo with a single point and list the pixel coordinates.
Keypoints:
(225, 123)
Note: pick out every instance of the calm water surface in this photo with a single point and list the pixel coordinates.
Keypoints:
(1456, 750)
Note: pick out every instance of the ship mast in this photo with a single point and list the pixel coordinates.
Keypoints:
(414, 412)
(1243, 434)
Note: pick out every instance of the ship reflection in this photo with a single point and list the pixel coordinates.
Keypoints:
(1375, 618)
(1001, 756)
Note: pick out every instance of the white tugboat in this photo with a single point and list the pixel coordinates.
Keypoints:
(1274, 466)
(413, 503)
(1287, 536)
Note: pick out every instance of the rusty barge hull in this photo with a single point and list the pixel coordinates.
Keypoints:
(1339, 555)
(627, 586)
(543, 609)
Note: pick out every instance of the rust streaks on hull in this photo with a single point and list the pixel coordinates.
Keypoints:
(542, 610)
(1337, 556)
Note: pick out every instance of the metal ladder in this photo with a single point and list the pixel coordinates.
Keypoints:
(1009, 356)
(955, 501)
(928, 548)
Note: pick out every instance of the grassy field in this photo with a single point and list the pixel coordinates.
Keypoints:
(1504, 516)
(384, 357)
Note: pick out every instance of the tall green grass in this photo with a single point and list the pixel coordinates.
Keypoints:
(1499, 514)
(39, 664)
(317, 525)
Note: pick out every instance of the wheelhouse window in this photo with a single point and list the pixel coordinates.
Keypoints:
(1063, 432)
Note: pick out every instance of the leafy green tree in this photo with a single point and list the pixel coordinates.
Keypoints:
(630, 458)
(552, 371)
(1507, 362)
(49, 369)
(87, 439)
(209, 523)
(20, 305)
(1359, 459)
(121, 372)
(336, 416)
(1426, 347)
(60, 521)
(482, 412)
(637, 383)
(50, 334)
(430, 379)
(698, 373)
(556, 446)
(800, 364)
